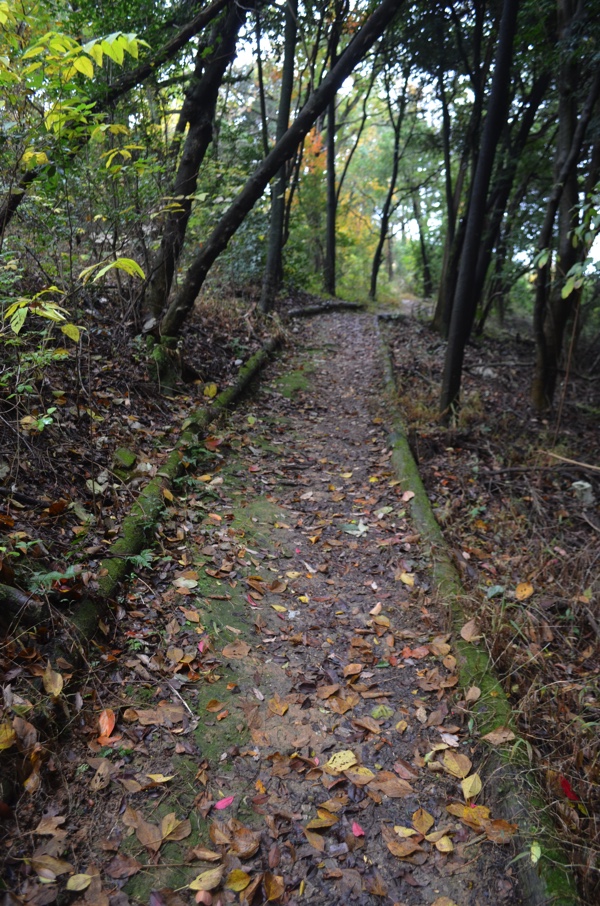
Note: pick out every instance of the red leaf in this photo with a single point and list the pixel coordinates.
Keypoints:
(568, 789)
(357, 829)
(223, 803)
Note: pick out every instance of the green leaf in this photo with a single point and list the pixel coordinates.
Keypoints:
(18, 319)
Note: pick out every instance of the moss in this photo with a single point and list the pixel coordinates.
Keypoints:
(294, 381)
(124, 458)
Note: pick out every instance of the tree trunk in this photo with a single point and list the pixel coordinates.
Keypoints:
(465, 305)
(548, 325)
(360, 44)
(426, 266)
(199, 110)
(274, 266)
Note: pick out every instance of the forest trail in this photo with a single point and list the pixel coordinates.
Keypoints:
(283, 688)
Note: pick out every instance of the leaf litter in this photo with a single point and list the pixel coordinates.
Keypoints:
(276, 718)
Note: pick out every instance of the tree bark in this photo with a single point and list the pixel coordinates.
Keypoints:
(544, 380)
(361, 43)
(198, 110)
(274, 265)
(465, 305)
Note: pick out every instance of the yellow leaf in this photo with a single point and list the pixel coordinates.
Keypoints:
(160, 778)
(71, 331)
(340, 762)
(85, 66)
(279, 608)
(79, 882)
(444, 845)
(53, 681)
(8, 737)
(471, 786)
(208, 880)
(237, 880)
(168, 496)
(407, 579)
(456, 764)
(210, 390)
(404, 831)
(523, 591)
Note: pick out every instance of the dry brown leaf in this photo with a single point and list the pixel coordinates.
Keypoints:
(277, 706)
(237, 650)
(315, 840)
(473, 694)
(274, 886)
(499, 736)
(368, 723)
(470, 631)
(500, 831)
(122, 867)
(387, 783)
(422, 821)
(205, 855)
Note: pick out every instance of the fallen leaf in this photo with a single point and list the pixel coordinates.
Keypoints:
(208, 880)
(106, 723)
(457, 764)
(472, 695)
(470, 631)
(274, 886)
(357, 829)
(237, 880)
(237, 650)
(122, 866)
(53, 683)
(277, 706)
(422, 821)
(499, 736)
(8, 737)
(224, 803)
(444, 844)
(500, 831)
(523, 591)
(340, 762)
(206, 855)
(471, 786)
(79, 882)
(315, 840)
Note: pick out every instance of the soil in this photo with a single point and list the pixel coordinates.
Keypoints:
(273, 714)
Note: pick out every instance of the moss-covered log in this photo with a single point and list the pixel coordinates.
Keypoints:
(138, 527)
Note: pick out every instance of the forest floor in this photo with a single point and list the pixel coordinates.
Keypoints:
(274, 713)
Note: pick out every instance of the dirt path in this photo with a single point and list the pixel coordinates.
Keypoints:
(283, 681)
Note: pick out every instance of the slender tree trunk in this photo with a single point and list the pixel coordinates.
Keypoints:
(199, 111)
(274, 265)
(329, 277)
(264, 127)
(359, 46)
(425, 263)
(396, 123)
(545, 329)
(465, 305)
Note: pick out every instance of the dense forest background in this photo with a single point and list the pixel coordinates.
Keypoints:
(450, 150)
